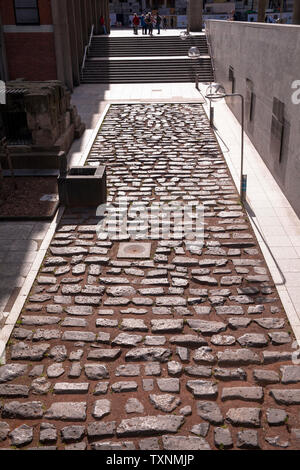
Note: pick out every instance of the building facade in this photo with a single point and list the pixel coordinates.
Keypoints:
(46, 39)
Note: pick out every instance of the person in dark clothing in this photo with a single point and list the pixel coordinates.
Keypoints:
(165, 23)
(143, 24)
(158, 23)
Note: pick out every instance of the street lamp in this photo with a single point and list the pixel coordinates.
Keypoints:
(216, 92)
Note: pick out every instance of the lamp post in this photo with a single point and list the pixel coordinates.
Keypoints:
(216, 92)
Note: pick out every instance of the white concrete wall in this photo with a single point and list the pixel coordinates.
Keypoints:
(268, 55)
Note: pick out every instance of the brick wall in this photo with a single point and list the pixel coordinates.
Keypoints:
(31, 56)
(8, 14)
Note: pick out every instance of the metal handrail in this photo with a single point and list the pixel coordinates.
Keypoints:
(86, 49)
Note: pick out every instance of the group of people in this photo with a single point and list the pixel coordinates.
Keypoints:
(148, 23)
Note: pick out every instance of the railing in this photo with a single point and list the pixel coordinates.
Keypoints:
(86, 49)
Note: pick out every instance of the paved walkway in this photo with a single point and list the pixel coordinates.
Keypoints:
(179, 347)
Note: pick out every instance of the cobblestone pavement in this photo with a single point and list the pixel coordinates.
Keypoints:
(184, 348)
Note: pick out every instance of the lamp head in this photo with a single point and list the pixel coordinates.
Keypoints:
(194, 53)
(215, 92)
(184, 35)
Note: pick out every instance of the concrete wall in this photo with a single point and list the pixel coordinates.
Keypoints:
(264, 57)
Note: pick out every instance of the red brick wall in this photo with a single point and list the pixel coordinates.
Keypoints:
(31, 56)
(8, 13)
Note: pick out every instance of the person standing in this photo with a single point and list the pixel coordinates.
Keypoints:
(102, 24)
(135, 22)
(165, 23)
(149, 22)
(143, 24)
(158, 23)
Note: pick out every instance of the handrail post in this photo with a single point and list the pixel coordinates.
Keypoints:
(86, 49)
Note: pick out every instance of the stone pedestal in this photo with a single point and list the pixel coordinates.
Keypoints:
(83, 187)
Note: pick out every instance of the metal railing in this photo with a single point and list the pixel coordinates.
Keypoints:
(86, 49)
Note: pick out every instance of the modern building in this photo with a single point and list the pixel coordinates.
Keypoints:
(46, 39)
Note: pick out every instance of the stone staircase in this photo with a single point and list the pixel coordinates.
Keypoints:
(142, 59)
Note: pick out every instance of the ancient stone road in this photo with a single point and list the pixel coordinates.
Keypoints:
(184, 347)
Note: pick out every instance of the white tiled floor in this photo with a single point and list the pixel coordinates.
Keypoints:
(276, 224)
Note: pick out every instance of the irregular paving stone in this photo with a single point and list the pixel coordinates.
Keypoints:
(85, 336)
(222, 340)
(198, 371)
(149, 425)
(133, 325)
(166, 326)
(150, 443)
(230, 374)
(290, 374)
(120, 387)
(184, 443)
(174, 368)
(166, 403)
(10, 372)
(4, 430)
(14, 391)
(188, 340)
(238, 357)
(72, 433)
(79, 310)
(222, 438)
(170, 301)
(243, 393)
(96, 371)
(230, 310)
(22, 351)
(101, 408)
(247, 439)
(278, 338)
(276, 417)
(75, 370)
(202, 388)
(104, 354)
(58, 353)
(266, 377)
(246, 417)
(101, 388)
(128, 370)
(210, 412)
(286, 397)
(206, 327)
(200, 429)
(269, 323)
(186, 411)
(48, 433)
(101, 429)
(28, 410)
(169, 385)
(124, 339)
(62, 388)
(270, 357)
(253, 340)
(67, 411)
(276, 441)
(133, 405)
(40, 386)
(236, 323)
(204, 355)
(21, 436)
(148, 354)
(55, 370)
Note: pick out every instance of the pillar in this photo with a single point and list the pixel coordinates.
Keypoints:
(62, 42)
(195, 15)
(296, 12)
(262, 5)
(73, 27)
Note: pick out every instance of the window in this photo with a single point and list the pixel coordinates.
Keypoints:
(27, 12)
